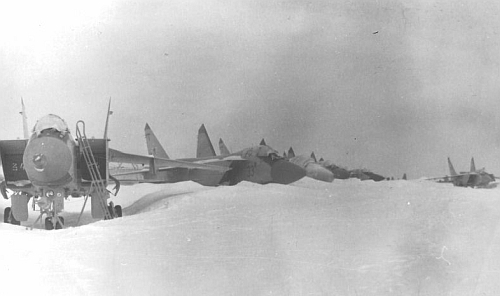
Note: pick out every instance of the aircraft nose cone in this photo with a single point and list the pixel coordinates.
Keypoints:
(285, 172)
(319, 173)
(40, 161)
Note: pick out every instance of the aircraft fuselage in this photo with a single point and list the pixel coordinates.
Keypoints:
(49, 160)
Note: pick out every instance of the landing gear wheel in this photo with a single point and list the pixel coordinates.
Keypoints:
(118, 211)
(49, 225)
(8, 217)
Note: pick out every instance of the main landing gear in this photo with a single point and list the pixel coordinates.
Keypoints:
(114, 211)
(8, 217)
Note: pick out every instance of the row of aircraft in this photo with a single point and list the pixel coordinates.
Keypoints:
(258, 164)
(51, 165)
(321, 170)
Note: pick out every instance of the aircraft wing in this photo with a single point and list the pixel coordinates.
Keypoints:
(452, 176)
(161, 163)
(230, 158)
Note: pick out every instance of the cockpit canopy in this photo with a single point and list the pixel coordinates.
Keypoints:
(50, 121)
(263, 152)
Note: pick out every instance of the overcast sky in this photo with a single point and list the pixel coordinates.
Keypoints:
(391, 86)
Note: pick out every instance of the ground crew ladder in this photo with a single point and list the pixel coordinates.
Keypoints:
(97, 181)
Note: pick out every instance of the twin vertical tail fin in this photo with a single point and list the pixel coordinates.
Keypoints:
(472, 165)
(106, 140)
(154, 146)
(205, 147)
(313, 156)
(223, 148)
(25, 121)
(452, 170)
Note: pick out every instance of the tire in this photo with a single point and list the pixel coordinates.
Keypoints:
(118, 211)
(9, 218)
(6, 215)
(48, 224)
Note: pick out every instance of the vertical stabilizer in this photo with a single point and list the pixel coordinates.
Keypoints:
(107, 140)
(154, 146)
(291, 153)
(222, 147)
(313, 156)
(452, 170)
(404, 177)
(25, 121)
(263, 142)
(205, 147)
(472, 165)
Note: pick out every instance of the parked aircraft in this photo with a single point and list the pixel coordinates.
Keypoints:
(51, 165)
(473, 178)
(338, 172)
(259, 164)
(363, 175)
(313, 169)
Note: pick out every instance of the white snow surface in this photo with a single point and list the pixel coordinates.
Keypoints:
(308, 238)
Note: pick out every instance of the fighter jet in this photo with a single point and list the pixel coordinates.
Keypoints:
(51, 166)
(338, 172)
(259, 164)
(473, 178)
(364, 175)
(313, 169)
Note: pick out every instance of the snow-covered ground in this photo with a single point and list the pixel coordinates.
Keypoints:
(309, 238)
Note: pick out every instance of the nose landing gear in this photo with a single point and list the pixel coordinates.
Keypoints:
(54, 222)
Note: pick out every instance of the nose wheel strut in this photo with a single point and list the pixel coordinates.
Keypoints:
(52, 221)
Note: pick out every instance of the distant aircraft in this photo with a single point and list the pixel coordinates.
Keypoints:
(473, 178)
(159, 168)
(338, 172)
(313, 169)
(51, 166)
(259, 164)
(366, 175)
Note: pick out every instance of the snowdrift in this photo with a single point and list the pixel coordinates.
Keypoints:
(342, 238)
